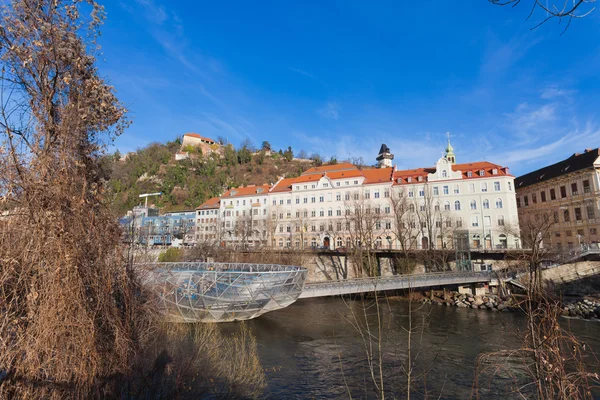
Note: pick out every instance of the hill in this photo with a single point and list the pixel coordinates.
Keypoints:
(189, 182)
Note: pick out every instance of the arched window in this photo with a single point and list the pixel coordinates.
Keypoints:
(486, 204)
(498, 203)
(338, 212)
(280, 242)
(437, 206)
(444, 174)
(412, 208)
(330, 212)
(321, 213)
(339, 242)
(473, 205)
(447, 206)
(457, 205)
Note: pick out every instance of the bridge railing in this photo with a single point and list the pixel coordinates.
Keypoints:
(414, 277)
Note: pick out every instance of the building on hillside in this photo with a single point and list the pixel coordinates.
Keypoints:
(243, 216)
(568, 194)
(207, 145)
(208, 228)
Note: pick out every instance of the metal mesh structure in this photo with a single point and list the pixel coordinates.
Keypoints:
(222, 292)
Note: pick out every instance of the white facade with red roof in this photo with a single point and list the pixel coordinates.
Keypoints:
(318, 208)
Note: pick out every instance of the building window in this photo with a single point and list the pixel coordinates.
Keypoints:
(555, 217)
(347, 196)
(457, 205)
(387, 209)
(486, 204)
(569, 233)
(321, 213)
(498, 203)
(338, 197)
(409, 179)
(376, 195)
(534, 198)
(459, 223)
(473, 205)
(526, 200)
(586, 186)
(474, 220)
(313, 199)
(337, 184)
(367, 194)
(437, 206)
(552, 194)
(326, 185)
(593, 231)
(445, 189)
(411, 193)
(496, 186)
(321, 199)
(421, 207)
(566, 215)
(574, 188)
(456, 189)
(543, 196)
(421, 192)
(386, 193)
(330, 213)
(436, 191)
(481, 172)
(313, 213)
(469, 174)
(591, 214)
(305, 200)
(563, 192)
(472, 188)
(444, 174)
(487, 221)
(297, 200)
(577, 214)
(500, 220)
(494, 171)
(484, 187)
(447, 206)
(420, 179)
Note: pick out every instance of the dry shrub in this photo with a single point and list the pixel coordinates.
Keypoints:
(551, 362)
(192, 361)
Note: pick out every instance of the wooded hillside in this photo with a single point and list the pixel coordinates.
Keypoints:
(188, 183)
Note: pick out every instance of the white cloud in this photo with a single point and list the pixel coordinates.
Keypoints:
(302, 72)
(330, 110)
(553, 91)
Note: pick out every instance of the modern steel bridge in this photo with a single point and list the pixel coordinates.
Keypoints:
(396, 282)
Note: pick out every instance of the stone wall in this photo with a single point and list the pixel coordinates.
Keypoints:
(571, 272)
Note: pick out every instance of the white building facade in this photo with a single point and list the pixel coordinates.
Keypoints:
(341, 205)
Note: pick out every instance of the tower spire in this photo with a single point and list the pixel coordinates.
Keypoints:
(450, 151)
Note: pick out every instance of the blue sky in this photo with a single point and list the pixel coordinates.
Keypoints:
(342, 77)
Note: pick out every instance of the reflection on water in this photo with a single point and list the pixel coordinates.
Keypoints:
(311, 350)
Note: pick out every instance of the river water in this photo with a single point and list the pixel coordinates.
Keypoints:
(311, 349)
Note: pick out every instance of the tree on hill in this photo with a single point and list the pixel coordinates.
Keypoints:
(288, 154)
(266, 146)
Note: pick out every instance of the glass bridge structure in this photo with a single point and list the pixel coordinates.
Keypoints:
(223, 292)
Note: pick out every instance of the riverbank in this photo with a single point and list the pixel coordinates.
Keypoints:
(586, 308)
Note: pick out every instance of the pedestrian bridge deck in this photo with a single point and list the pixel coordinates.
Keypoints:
(396, 282)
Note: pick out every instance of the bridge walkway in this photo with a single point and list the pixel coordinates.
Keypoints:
(396, 282)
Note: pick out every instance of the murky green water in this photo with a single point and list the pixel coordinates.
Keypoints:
(311, 349)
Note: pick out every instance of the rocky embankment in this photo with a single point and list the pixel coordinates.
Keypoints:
(588, 309)
(486, 302)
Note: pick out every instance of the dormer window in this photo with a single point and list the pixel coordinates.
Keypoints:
(409, 179)
(233, 192)
(494, 171)
(469, 174)
(420, 179)
(481, 172)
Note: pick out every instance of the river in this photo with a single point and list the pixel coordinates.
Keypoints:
(311, 349)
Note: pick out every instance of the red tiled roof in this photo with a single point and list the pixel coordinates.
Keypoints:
(195, 135)
(250, 190)
(284, 185)
(330, 168)
(344, 174)
(473, 167)
(210, 203)
(377, 175)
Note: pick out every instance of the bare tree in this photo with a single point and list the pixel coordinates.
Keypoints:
(363, 222)
(69, 319)
(560, 9)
